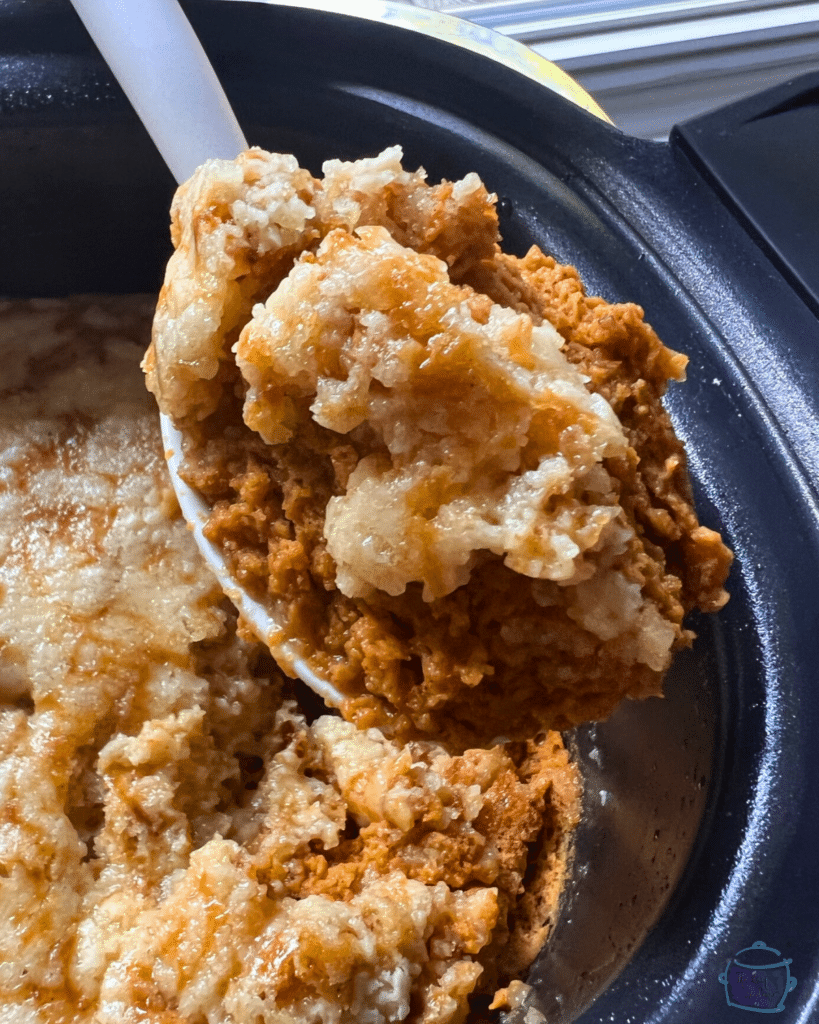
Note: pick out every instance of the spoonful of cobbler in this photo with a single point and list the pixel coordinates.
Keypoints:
(443, 473)
(437, 480)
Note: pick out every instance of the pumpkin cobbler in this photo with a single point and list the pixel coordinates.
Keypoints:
(450, 473)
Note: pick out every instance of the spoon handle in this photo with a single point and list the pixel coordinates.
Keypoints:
(160, 64)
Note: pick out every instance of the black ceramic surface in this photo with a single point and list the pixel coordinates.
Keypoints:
(724, 771)
(762, 153)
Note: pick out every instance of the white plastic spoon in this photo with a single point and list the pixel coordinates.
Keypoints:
(163, 70)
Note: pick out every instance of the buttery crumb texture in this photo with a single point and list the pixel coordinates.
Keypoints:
(180, 843)
(449, 466)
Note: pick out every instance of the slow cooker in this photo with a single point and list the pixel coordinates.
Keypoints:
(701, 827)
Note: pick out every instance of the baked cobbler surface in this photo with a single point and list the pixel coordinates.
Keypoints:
(180, 839)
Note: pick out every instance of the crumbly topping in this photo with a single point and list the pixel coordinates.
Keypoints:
(483, 435)
(250, 216)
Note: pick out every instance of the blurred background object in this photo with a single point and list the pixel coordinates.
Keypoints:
(653, 63)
